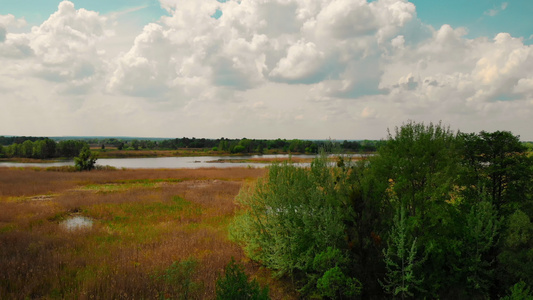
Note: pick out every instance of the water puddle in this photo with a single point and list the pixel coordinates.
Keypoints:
(77, 222)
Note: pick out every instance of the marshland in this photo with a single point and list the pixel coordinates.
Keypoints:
(266, 149)
(433, 213)
(154, 234)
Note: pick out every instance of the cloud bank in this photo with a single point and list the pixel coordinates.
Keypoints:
(260, 69)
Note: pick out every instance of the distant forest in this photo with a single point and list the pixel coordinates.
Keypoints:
(44, 147)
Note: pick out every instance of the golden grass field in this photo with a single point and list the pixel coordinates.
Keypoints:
(146, 224)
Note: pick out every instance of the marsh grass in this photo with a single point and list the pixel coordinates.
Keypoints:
(156, 234)
(38, 181)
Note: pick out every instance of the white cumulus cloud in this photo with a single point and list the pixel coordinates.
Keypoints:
(353, 67)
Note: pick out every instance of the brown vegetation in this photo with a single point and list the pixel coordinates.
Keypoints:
(36, 181)
(144, 222)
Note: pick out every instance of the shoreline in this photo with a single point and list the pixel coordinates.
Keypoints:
(177, 153)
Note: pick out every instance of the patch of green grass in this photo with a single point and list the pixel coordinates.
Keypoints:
(7, 228)
(137, 221)
(114, 187)
(124, 185)
(58, 217)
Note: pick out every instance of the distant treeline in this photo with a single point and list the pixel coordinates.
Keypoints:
(9, 140)
(42, 147)
(243, 145)
(260, 146)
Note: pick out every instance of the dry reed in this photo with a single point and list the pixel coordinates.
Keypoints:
(144, 222)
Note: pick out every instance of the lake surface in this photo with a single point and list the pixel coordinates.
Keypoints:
(190, 162)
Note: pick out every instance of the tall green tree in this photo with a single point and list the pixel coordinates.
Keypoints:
(70, 148)
(515, 255)
(423, 162)
(135, 144)
(401, 259)
(498, 164)
(499, 169)
(27, 149)
(49, 149)
(38, 149)
(13, 150)
(479, 229)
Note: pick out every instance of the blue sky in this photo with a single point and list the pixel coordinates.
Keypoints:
(516, 18)
(341, 69)
(35, 12)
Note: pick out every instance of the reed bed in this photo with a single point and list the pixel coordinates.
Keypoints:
(156, 234)
(36, 181)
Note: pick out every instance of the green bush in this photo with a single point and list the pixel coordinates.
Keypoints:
(335, 284)
(86, 160)
(293, 215)
(235, 285)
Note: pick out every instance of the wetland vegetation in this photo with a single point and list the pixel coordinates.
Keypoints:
(434, 214)
(154, 234)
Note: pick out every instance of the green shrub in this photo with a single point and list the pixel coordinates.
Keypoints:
(335, 284)
(235, 285)
(86, 160)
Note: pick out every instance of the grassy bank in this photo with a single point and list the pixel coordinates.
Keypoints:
(155, 233)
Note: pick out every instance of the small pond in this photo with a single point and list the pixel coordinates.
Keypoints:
(77, 222)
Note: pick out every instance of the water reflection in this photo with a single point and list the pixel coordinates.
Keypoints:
(77, 222)
(191, 162)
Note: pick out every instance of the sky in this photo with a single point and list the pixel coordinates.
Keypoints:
(306, 69)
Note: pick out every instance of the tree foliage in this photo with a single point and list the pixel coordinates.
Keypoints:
(330, 277)
(293, 215)
(519, 291)
(235, 285)
(86, 161)
(400, 258)
(434, 214)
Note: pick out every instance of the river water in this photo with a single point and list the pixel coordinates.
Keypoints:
(189, 162)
